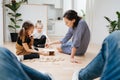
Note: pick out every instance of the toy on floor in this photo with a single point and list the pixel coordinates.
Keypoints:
(47, 51)
(51, 59)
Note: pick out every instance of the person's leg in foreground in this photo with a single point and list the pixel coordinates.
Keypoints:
(107, 63)
(12, 69)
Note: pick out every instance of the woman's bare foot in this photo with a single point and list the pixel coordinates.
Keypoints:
(59, 49)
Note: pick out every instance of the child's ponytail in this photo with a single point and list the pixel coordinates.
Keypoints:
(22, 34)
(26, 26)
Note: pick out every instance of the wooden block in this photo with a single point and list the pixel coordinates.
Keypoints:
(50, 52)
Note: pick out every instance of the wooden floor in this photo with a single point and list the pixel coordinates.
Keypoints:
(59, 65)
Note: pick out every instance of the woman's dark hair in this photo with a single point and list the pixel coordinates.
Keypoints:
(70, 15)
(25, 27)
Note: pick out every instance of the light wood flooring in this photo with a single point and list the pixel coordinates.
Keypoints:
(59, 65)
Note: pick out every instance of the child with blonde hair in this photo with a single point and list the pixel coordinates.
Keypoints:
(40, 37)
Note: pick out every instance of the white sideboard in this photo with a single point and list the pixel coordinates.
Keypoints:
(58, 28)
(56, 3)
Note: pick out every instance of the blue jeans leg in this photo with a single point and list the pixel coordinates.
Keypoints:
(35, 75)
(107, 63)
(66, 48)
(93, 69)
(12, 69)
(112, 58)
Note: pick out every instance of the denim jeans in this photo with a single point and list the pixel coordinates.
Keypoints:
(12, 69)
(106, 64)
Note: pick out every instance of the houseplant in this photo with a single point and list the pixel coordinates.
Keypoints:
(113, 24)
(14, 17)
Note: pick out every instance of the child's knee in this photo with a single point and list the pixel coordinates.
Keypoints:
(43, 37)
(4, 52)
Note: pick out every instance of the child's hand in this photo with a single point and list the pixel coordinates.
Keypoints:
(47, 45)
(43, 53)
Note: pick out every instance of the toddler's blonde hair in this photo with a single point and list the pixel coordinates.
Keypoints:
(39, 23)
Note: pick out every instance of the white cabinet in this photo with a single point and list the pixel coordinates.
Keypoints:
(35, 1)
(36, 12)
(40, 1)
(51, 27)
(59, 29)
(58, 3)
(49, 2)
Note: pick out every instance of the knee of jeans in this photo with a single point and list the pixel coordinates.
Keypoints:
(4, 52)
(82, 74)
(114, 36)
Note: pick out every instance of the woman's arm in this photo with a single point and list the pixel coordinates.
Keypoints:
(65, 39)
(68, 36)
(51, 43)
(73, 51)
(55, 42)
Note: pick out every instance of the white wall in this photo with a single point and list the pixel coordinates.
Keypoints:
(60, 29)
(101, 8)
(67, 4)
(34, 13)
(6, 22)
(1, 23)
(79, 5)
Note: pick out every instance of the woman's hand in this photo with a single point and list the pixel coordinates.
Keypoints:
(73, 60)
(55, 42)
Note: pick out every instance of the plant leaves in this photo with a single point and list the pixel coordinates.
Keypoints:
(19, 20)
(12, 14)
(18, 14)
(107, 19)
(113, 25)
(14, 5)
(17, 26)
(10, 6)
(24, 1)
(118, 15)
(18, 4)
(13, 20)
(10, 26)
